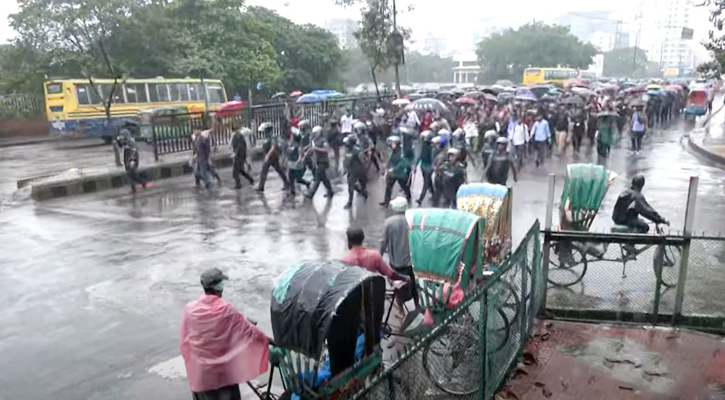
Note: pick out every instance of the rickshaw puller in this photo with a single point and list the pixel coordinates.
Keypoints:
(631, 204)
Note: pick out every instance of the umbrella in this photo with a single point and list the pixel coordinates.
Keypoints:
(427, 104)
(576, 100)
(278, 95)
(401, 102)
(540, 91)
(310, 98)
(576, 83)
(504, 96)
(582, 91)
(489, 96)
(474, 93)
(230, 108)
(295, 93)
(635, 89)
(504, 83)
(607, 114)
(466, 100)
(653, 86)
(492, 90)
(524, 94)
(674, 86)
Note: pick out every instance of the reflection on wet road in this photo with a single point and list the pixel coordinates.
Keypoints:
(93, 286)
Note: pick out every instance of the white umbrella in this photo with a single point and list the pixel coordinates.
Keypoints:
(401, 102)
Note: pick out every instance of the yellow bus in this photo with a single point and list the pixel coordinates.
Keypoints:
(73, 107)
(538, 76)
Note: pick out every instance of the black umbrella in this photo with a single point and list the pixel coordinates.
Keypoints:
(575, 100)
(427, 104)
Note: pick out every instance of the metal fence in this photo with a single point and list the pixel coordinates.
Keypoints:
(469, 355)
(22, 106)
(173, 134)
(646, 279)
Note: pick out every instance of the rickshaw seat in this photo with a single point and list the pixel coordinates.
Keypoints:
(622, 229)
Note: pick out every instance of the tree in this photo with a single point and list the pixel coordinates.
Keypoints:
(505, 55)
(309, 55)
(710, 69)
(625, 62)
(716, 38)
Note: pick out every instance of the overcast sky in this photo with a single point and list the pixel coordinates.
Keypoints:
(453, 20)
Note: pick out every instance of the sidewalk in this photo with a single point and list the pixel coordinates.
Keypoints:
(709, 141)
(597, 361)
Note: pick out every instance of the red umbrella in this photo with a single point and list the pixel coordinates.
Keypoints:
(295, 93)
(230, 108)
(466, 100)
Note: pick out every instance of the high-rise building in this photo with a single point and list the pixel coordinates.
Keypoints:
(604, 41)
(344, 29)
(660, 32)
(435, 46)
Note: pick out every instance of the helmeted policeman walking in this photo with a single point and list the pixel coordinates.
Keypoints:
(453, 175)
(321, 160)
(355, 169)
(398, 171)
(271, 158)
(239, 152)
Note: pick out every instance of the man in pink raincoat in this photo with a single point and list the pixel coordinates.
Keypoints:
(221, 348)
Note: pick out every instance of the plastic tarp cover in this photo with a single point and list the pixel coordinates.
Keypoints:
(585, 186)
(318, 303)
(219, 346)
(439, 242)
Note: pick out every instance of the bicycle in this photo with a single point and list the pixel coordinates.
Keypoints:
(570, 260)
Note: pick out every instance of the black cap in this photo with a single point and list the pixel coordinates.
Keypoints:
(211, 277)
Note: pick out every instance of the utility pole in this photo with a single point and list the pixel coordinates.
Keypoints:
(397, 63)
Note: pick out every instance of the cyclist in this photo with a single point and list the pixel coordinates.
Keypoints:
(631, 204)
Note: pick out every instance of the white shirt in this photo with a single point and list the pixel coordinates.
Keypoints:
(520, 135)
(346, 123)
(412, 122)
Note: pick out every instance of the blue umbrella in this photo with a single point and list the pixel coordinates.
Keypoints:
(311, 98)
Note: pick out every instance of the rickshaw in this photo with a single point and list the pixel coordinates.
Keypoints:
(492, 203)
(697, 104)
(447, 256)
(585, 186)
(171, 115)
(326, 320)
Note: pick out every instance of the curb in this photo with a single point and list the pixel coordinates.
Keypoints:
(26, 142)
(113, 180)
(705, 153)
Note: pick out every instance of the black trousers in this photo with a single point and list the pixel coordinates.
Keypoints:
(134, 178)
(239, 170)
(230, 392)
(541, 148)
(265, 170)
(427, 185)
(411, 292)
(320, 177)
(296, 176)
(356, 181)
(637, 140)
(402, 182)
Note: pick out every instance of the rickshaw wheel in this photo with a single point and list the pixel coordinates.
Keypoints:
(566, 270)
(456, 341)
(668, 257)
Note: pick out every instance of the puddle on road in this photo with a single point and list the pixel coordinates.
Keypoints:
(625, 361)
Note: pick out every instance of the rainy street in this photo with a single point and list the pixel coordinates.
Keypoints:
(93, 286)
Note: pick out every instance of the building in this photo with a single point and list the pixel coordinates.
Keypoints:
(585, 25)
(604, 41)
(435, 46)
(660, 28)
(465, 68)
(344, 29)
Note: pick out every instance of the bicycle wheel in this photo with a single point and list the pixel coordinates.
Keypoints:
(451, 361)
(568, 264)
(668, 257)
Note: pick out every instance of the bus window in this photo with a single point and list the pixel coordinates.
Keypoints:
(183, 91)
(86, 95)
(136, 93)
(532, 71)
(174, 91)
(153, 95)
(105, 91)
(163, 91)
(216, 93)
(54, 88)
(195, 92)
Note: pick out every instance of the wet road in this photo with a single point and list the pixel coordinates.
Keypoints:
(93, 285)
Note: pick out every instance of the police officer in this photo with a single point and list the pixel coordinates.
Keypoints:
(407, 138)
(497, 170)
(295, 164)
(321, 160)
(239, 152)
(271, 158)
(458, 141)
(334, 137)
(355, 169)
(425, 160)
(440, 147)
(306, 144)
(453, 175)
(398, 170)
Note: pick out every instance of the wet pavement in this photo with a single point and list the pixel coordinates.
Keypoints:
(93, 286)
(588, 361)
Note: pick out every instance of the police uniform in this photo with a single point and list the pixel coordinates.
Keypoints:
(271, 160)
(239, 150)
(295, 165)
(321, 160)
(398, 171)
(355, 168)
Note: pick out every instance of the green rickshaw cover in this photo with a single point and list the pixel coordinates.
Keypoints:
(585, 186)
(444, 243)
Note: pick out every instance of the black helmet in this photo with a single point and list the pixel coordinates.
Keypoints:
(638, 182)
